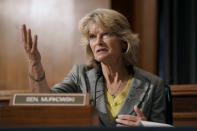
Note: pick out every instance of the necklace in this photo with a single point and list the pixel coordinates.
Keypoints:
(113, 93)
(115, 87)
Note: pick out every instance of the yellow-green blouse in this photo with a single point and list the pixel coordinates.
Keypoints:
(114, 104)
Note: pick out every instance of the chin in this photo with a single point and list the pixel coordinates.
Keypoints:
(102, 59)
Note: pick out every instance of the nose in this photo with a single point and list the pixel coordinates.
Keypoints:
(99, 40)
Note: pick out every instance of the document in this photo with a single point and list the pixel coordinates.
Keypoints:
(152, 124)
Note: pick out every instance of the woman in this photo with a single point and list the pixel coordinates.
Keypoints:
(122, 93)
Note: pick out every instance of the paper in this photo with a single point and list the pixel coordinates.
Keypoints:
(152, 124)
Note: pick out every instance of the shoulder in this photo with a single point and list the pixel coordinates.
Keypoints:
(142, 74)
(81, 68)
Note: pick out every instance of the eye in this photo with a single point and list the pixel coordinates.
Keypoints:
(92, 36)
(107, 35)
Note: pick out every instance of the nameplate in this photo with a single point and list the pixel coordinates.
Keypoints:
(50, 99)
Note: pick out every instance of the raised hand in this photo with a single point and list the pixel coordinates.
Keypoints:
(30, 45)
(129, 120)
(36, 72)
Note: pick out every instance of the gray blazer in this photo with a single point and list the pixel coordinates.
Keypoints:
(146, 91)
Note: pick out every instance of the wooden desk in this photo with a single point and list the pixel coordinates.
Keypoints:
(27, 116)
(184, 109)
(47, 116)
(184, 105)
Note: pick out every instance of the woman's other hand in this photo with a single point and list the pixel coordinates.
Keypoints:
(30, 45)
(129, 120)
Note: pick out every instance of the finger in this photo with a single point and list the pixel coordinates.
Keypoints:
(126, 122)
(34, 45)
(138, 112)
(127, 117)
(29, 40)
(24, 34)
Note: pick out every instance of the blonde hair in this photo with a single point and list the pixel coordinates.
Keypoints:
(118, 24)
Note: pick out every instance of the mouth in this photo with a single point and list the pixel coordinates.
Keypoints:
(101, 50)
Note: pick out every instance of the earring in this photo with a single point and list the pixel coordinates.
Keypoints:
(124, 50)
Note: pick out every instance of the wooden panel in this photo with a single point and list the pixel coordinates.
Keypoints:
(6, 94)
(47, 116)
(185, 119)
(142, 15)
(125, 7)
(181, 90)
(184, 105)
(184, 98)
(145, 24)
(55, 22)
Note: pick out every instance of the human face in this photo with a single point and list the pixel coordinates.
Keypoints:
(105, 45)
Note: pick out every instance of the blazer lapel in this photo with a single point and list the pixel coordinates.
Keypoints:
(136, 93)
(97, 93)
(91, 80)
(100, 96)
(100, 102)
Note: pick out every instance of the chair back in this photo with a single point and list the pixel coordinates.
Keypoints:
(169, 117)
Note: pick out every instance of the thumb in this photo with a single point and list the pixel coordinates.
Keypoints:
(138, 112)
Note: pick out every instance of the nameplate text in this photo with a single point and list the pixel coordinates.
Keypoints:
(49, 99)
